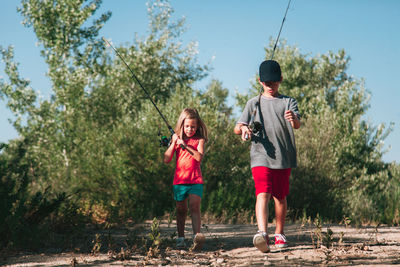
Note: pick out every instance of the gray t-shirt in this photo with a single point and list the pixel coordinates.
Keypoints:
(274, 145)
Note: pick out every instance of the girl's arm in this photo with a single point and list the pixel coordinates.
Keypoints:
(196, 154)
(169, 153)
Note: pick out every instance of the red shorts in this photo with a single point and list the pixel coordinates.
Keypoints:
(272, 181)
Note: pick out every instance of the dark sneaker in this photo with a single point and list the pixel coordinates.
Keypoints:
(261, 241)
(280, 241)
(198, 241)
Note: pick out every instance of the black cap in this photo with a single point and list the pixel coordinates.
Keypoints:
(270, 71)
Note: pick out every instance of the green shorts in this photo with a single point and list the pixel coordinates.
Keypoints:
(182, 191)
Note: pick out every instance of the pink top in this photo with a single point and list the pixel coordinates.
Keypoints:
(187, 169)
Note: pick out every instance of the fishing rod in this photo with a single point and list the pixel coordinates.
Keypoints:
(280, 30)
(256, 126)
(164, 140)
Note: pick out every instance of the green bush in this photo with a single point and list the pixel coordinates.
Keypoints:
(22, 213)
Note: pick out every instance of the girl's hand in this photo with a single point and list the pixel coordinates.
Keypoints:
(174, 138)
(176, 141)
(180, 142)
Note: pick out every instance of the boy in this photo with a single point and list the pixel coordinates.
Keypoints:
(273, 150)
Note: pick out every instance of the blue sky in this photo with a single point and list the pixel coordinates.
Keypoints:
(234, 33)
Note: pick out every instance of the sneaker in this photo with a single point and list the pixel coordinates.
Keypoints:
(261, 241)
(280, 241)
(198, 241)
(180, 243)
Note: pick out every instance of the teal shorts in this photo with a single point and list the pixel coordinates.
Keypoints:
(182, 191)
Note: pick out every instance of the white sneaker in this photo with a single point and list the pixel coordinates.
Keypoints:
(180, 243)
(261, 241)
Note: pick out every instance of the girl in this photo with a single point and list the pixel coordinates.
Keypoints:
(188, 143)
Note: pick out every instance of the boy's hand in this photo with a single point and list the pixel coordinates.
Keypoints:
(246, 132)
(289, 115)
(292, 118)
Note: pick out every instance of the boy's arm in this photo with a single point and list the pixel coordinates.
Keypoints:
(243, 130)
(242, 127)
(295, 123)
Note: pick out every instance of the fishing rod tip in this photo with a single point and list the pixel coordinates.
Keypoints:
(105, 41)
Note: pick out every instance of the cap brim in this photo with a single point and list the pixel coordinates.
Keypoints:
(270, 78)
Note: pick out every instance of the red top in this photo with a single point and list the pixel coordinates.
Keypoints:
(187, 169)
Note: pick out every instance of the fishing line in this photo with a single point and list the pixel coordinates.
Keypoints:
(163, 141)
(256, 126)
(280, 30)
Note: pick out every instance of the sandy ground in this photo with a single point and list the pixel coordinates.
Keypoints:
(231, 245)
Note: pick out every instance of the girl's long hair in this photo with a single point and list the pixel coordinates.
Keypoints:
(191, 113)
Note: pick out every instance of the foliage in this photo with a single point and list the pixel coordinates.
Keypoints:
(96, 138)
(22, 213)
(377, 195)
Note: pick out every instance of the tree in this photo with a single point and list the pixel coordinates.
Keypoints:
(96, 139)
(79, 137)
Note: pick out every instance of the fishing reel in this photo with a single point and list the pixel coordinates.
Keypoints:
(255, 127)
(165, 141)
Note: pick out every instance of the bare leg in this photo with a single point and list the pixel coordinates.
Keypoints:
(262, 211)
(194, 206)
(181, 212)
(280, 214)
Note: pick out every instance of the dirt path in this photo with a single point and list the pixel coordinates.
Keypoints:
(231, 245)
